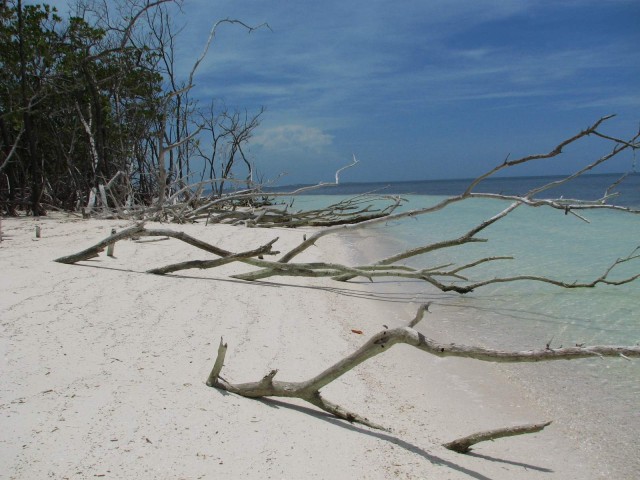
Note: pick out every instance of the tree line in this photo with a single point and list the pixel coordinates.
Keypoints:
(95, 114)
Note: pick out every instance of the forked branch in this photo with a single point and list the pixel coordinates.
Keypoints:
(309, 390)
(447, 278)
(140, 231)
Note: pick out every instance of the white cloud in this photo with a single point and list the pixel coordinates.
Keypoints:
(292, 137)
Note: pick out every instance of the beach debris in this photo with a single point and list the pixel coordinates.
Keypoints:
(140, 230)
(444, 277)
(309, 390)
(463, 445)
(360, 212)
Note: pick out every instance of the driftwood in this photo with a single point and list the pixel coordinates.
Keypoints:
(249, 204)
(140, 231)
(463, 445)
(352, 210)
(111, 247)
(444, 277)
(357, 213)
(309, 390)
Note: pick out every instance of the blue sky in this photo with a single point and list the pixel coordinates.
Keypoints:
(419, 89)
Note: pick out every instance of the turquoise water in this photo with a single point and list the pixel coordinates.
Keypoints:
(595, 401)
(543, 242)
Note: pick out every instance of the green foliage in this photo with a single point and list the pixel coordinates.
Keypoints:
(86, 100)
(90, 105)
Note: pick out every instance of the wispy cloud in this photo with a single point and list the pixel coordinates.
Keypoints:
(381, 58)
(395, 80)
(292, 138)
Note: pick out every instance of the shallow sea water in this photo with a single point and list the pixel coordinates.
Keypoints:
(595, 401)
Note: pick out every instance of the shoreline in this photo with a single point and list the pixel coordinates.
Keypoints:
(582, 429)
(104, 370)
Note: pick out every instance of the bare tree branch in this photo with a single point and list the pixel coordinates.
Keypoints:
(309, 390)
(140, 231)
(557, 150)
(463, 445)
(212, 34)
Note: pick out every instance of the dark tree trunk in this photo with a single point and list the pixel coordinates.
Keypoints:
(34, 165)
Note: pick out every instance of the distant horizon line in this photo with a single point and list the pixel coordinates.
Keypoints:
(468, 179)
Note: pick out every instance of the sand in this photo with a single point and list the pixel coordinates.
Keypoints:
(103, 371)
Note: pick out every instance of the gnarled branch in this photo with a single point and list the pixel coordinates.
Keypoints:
(309, 390)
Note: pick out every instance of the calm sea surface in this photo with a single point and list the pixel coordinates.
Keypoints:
(597, 401)
(586, 187)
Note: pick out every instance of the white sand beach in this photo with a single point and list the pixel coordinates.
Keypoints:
(104, 367)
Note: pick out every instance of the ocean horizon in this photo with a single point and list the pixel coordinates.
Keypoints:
(588, 187)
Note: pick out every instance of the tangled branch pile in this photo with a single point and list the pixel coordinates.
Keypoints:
(349, 214)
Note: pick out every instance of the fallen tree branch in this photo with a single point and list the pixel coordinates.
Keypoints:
(140, 231)
(216, 205)
(309, 390)
(446, 278)
(432, 275)
(217, 367)
(359, 212)
(202, 264)
(96, 249)
(463, 445)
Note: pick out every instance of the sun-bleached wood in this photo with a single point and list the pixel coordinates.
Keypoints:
(463, 445)
(358, 213)
(140, 231)
(309, 390)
